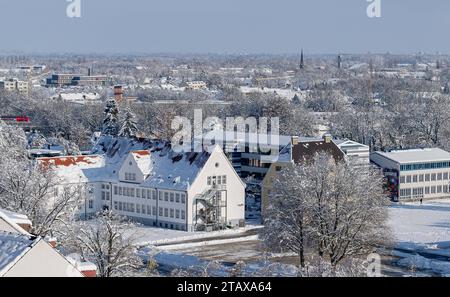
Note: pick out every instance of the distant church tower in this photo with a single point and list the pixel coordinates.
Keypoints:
(302, 62)
(339, 61)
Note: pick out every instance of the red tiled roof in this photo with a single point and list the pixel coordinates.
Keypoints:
(67, 161)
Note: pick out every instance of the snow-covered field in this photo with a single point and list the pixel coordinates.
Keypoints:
(422, 233)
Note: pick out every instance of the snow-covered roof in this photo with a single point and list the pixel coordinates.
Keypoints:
(12, 248)
(72, 168)
(171, 170)
(143, 161)
(13, 219)
(417, 155)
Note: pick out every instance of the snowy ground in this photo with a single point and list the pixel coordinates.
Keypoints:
(422, 233)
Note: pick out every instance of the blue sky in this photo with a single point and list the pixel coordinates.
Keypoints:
(225, 26)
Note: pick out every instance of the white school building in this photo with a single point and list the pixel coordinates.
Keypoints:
(158, 187)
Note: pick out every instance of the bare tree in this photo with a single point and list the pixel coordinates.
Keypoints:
(105, 243)
(337, 211)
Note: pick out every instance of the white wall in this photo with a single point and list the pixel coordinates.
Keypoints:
(43, 261)
(235, 187)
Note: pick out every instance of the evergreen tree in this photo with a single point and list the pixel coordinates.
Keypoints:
(111, 120)
(129, 125)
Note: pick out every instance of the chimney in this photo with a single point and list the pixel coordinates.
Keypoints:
(89, 71)
(52, 241)
(88, 269)
(327, 137)
(295, 140)
(118, 93)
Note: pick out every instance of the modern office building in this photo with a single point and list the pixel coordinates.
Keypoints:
(60, 80)
(415, 174)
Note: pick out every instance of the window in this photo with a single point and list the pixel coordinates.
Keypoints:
(172, 197)
(402, 179)
(120, 205)
(91, 204)
(439, 189)
(183, 214)
(209, 180)
(160, 196)
(138, 193)
(160, 213)
(408, 179)
(154, 194)
(103, 195)
(415, 178)
(177, 214)
(132, 192)
(224, 179)
(439, 176)
(433, 190)
(445, 188)
(138, 208)
(433, 176)
(166, 212)
(421, 178)
(445, 177)
(149, 210)
(153, 210)
(166, 196)
(120, 190)
(219, 180)
(427, 177)
(171, 213)
(177, 198)
(115, 190)
(183, 198)
(427, 190)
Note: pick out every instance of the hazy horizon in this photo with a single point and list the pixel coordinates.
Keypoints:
(232, 27)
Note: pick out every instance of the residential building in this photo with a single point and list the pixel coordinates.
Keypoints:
(196, 85)
(13, 84)
(415, 174)
(26, 255)
(198, 191)
(301, 151)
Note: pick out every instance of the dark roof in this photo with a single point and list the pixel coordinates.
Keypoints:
(304, 152)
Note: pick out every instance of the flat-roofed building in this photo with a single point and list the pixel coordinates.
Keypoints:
(415, 174)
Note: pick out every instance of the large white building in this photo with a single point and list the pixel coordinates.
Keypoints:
(415, 174)
(157, 186)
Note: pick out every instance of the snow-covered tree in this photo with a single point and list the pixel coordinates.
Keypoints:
(29, 189)
(105, 242)
(129, 125)
(111, 119)
(337, 210)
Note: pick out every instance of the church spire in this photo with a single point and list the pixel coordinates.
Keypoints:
(302, 62)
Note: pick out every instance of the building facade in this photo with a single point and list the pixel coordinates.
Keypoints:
(158, 187)
(415, 174)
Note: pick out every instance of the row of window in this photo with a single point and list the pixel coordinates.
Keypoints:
(421, 166)
(130, 176)
(424, 177)
(150, 194)
(150, 210)
(217, 180)
(419, 192)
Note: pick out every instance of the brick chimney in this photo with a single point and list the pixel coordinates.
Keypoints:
(295, 140)
(327, 137)
(118, 93)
